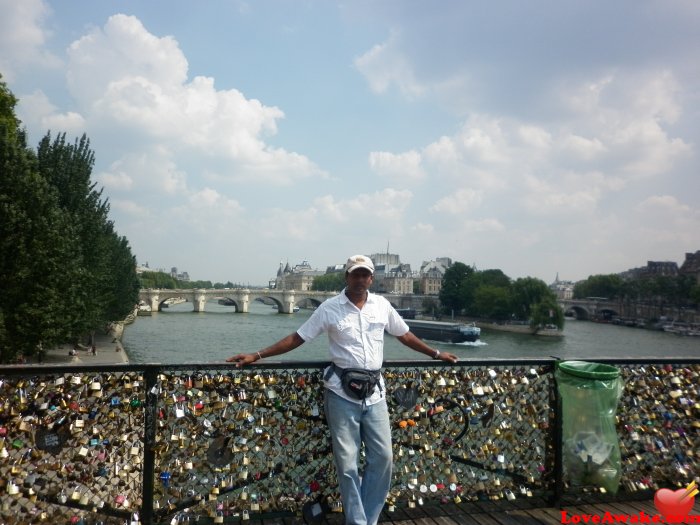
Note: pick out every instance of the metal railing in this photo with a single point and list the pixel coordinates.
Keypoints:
(213, 443)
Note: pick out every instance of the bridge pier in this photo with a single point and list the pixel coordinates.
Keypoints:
(200, 300)
(287, 303)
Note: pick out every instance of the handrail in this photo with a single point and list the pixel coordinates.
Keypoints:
(513, 448)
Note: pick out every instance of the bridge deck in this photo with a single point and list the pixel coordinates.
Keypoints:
(531, 512)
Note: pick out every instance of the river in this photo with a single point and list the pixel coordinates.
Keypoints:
(178, 335)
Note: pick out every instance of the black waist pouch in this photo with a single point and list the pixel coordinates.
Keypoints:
(357, 382)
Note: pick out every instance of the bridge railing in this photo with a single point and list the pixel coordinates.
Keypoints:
(213, 443)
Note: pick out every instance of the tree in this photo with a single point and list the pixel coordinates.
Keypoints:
(330, 282)
(527, 292)
(64, 269)
(37, 248)
(546, 312)
(492, 302)
(452, 295)
(608, 286)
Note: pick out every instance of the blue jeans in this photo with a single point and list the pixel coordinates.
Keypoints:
(352, 424)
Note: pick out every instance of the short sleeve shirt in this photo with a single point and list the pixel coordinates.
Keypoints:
(355, 337)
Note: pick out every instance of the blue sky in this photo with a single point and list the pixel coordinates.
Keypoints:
(536, 137)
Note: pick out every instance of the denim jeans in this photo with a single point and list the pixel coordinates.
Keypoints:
(352, 424)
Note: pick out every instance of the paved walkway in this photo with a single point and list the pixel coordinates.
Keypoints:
(109, 351)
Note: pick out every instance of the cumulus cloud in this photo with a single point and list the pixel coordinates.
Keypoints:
(22, 37)
(37, 109)
(459, 203)
(145, 93)
(385, 66)
(402, 166)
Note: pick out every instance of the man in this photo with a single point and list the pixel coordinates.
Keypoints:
(355, 321)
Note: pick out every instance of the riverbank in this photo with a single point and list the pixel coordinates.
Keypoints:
(108, 351)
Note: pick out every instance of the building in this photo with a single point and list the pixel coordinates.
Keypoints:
(652, 269)
(184, 276)
(691, 265)
(300, 277)
(563, 289)
(391, 275)
(431, 274)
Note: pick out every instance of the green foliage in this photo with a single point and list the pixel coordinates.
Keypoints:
(546, 312)
(490, 294)
(330, 282)
(165, 281)
(64, 270)
(429, 306)
(492, 302)
(452, 295)
(661, 289)
(608, 286)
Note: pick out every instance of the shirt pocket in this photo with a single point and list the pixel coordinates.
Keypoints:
(375, 331)
(346, 332)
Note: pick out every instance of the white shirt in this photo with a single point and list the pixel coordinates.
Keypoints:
(356, 337)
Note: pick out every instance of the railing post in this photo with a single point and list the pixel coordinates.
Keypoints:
(558, 445)
(149, 438)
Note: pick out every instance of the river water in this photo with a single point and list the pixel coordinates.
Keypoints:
(178, 335)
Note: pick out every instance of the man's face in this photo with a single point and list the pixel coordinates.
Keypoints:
(358, 281)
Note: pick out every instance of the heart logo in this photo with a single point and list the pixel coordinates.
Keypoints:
(677, 503)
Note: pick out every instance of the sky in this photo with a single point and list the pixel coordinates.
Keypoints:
(539, 137)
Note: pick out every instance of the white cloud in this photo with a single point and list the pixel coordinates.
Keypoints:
(23, 36)
(385, 65)
(37, 110)
(461, 202)
(403, 166)
(144, 94)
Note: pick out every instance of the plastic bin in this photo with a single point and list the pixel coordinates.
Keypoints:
(590, 393)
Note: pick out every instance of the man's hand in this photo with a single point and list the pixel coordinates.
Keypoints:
(446, 356)
(243, 359)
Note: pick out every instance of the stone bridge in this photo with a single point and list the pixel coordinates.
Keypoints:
(285, 300)
(591, 308)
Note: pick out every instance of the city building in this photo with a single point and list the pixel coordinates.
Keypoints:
(431, 274)
(691, 265)
(300, 277)
(184, 276)
(563, 289)
(652, 269)
(390, 275)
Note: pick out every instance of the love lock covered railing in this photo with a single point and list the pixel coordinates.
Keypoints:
(211, 443)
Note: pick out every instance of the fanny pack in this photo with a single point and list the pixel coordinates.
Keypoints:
(357, 382)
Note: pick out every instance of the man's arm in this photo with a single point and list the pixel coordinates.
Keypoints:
(282, 346)
(412, 341)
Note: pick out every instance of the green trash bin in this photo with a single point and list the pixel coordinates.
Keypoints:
(590, 393)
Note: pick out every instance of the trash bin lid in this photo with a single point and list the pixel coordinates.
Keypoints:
(589, 370)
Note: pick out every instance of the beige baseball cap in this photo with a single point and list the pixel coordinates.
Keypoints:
(359, 261)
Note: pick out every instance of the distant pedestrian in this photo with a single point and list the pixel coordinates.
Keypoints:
(93, 349)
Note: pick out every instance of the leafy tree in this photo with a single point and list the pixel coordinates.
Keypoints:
(527, 292)
(452, 296)
(329, 282)
(493, 302)
(546, 312)
(429, 306)
(157, 280)
(64, 270)
(608, 286)
(38, 269)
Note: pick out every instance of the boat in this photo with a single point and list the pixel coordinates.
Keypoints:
(144, 310)
(407, 313)
(522, 327)
(445, 332)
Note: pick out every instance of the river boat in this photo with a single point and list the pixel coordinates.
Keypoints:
(681, 328)
(144, 310)
(522, 328)
(445, 332)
